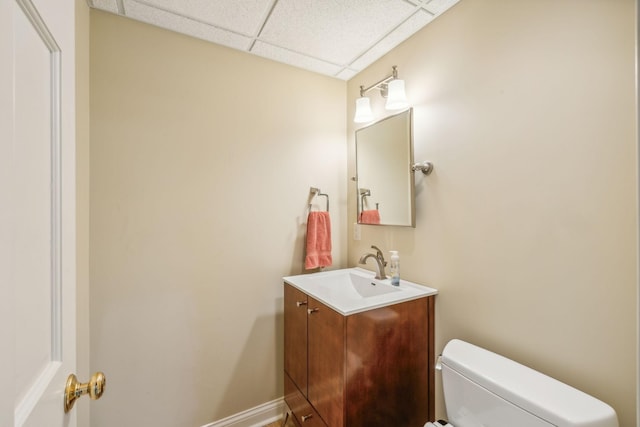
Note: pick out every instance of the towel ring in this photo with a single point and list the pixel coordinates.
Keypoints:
(364, 192)
(317, 192)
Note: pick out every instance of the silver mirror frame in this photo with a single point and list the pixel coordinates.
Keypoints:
(401, 175)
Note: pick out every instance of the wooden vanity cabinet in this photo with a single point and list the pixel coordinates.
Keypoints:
(374, 368)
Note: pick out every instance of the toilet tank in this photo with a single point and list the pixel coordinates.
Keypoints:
(484, 389)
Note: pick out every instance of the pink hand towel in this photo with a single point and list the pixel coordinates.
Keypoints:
(370, 217)
(318, 240)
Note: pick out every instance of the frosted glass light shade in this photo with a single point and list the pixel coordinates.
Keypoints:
(396, 99)
(363, 110)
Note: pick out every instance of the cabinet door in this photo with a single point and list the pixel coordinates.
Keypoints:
(295, 336)
(387, 367)
(326, 362)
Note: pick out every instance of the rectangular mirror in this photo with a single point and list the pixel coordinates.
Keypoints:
(385, 182)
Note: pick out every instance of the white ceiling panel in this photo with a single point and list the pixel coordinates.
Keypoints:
(393, 39)
(337, 30)
(181, 24)
(338, 38)
(242, 16)
(293, 58)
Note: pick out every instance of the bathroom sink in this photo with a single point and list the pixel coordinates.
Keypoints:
(353, 290)
(367, 287)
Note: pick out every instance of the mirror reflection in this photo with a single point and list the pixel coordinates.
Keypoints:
(385, 183)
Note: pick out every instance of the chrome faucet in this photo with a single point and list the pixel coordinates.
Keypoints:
(380, 262)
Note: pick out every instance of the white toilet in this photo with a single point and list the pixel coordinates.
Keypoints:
(484, 389)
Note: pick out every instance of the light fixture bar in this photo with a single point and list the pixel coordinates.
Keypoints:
(382, 83)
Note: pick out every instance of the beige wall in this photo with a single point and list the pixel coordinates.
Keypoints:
(527, 226)
(201, 163)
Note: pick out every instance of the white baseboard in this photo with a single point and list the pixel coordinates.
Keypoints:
(259, 416)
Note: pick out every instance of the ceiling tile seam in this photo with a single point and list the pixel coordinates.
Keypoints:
(302, 54)
(374, 44)
(421, 5)
(346, 68)
(414, 3)
(190, 18)
(433, 14)
(264, 23)
(424, 5)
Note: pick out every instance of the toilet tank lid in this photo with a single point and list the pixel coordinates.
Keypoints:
(543, 396)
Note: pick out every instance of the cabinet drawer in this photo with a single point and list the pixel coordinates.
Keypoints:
(303, 412)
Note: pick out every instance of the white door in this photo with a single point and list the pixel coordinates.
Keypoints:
(37, 211)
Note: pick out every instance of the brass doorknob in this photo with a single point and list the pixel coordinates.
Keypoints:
(94, 388)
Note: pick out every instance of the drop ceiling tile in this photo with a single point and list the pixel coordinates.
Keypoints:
(108, 5)
(293, 58)
(161, 18)
(336, 31)
(241, 16)
(439, 6)
(400, 34)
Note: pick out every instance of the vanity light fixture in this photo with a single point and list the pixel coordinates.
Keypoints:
(391, 88)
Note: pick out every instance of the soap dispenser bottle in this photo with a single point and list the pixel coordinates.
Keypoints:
(394, 267)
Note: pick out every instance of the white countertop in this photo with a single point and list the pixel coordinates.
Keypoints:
(353, 290)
